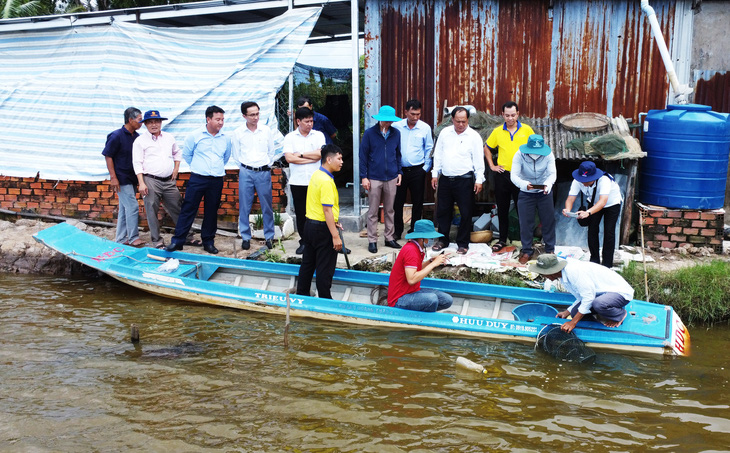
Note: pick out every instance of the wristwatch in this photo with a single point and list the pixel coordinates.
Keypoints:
(301, 155)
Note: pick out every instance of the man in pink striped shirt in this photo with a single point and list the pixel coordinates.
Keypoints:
(156, 160)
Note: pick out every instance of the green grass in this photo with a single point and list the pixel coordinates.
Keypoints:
(699, 294)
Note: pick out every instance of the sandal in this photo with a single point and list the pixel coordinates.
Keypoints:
(438, 246)
(462, 250)
(194, 243)
(496, 248)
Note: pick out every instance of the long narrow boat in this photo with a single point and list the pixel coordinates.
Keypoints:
(479, 310)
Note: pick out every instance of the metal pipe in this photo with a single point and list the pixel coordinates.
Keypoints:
(680, 92)
(354, 28)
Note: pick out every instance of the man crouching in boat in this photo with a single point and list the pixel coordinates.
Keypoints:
(404, 287)
(600, 293)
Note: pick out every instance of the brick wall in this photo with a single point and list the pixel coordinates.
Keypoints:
(96, 201)
(673, 228)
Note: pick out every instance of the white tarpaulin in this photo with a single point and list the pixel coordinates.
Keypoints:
(63, 91)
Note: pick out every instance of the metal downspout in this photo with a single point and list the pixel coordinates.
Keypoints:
(354, 28)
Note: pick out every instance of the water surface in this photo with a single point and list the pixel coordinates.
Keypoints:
(214, 379)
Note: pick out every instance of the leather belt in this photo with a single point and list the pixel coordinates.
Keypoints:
(158, 178)
(264, 168)
(414, 167)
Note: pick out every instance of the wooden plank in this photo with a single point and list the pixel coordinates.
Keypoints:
(265, 284)
(348, 292)
(237, 281)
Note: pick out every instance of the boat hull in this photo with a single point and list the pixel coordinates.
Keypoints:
(482, 311)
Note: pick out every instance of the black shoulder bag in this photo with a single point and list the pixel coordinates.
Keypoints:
(587, 220)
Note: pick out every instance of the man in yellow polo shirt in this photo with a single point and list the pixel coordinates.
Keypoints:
(506, 141)
(321, 239)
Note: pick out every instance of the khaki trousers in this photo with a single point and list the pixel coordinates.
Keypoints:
(381, 192)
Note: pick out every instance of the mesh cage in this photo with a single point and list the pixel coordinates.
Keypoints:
(565, 346)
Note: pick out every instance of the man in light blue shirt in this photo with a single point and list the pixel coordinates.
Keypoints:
(416, 145)
(206, 151)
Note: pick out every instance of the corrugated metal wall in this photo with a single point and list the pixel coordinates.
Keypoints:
(573, 56)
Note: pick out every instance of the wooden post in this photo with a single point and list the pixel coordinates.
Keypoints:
(135, 333)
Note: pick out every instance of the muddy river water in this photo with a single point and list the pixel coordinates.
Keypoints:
(213, 379)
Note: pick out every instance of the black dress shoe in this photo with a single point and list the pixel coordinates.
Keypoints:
(210, 248)
(245, 244)
(392, 244)
(373, 247)
(173, 247)
(269, 244)
(346, 251)
(300, 249)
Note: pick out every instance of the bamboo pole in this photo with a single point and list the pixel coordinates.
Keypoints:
(643, 253)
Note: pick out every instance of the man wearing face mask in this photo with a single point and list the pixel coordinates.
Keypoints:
(404, 286)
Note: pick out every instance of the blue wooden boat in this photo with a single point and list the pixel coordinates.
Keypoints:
(479, 310)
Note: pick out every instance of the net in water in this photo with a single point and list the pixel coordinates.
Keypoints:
(565, 345)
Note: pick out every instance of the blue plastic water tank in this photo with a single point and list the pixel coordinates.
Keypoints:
(687, 150)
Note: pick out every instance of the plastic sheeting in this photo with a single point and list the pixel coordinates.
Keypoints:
(63, 91)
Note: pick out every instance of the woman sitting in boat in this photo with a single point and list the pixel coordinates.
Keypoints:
(600, 293)
(404, 287)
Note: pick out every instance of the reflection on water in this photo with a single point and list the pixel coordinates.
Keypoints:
(206, 378)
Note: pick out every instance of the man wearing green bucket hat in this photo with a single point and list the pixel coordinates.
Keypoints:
(404, 286)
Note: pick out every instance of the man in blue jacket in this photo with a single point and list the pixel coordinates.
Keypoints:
(380, 170)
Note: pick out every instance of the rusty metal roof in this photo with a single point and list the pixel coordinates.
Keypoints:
(552, 58)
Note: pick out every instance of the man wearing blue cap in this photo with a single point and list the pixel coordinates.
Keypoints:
(156, 159)
(404, 286)
(533, 171)
(380, 170)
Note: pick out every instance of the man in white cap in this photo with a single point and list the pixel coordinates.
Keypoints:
(380, 170)
(156, 159)
(600, 293)
(533, 171)
(404, 286)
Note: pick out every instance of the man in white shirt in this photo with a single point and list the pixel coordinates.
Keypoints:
(253, 149)
(600, 293)
(302, 149)
(416, 146)
(458, 172)
(156, 160)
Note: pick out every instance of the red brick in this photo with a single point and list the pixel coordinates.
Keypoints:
(669, 245)
(691, 231)
(715, 241)
(708, 232)
(36, 185)
(19, 204)
(228, 192)
(674, 230)
(3, 190)
(75, 200)
(84, 207)
(62, 186)
(276, 186)
(684, 244)
(26, 191)
(107, 194)
(661, 237)
(664, 221)
(699, 224)
(649, 220)
(678, 238)
(674, 214)
(657, 213)
(6, 204)
(47, 185)
(13, 191)
(694, 215)
(33, 205)
(708, 216)
(55, 212)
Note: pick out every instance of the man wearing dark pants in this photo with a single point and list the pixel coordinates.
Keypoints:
(206, 151)
(302, 150)
(416, 143)
(600, 293)
(506, 141)
(459, 160)
(322, 240)
(533, 171)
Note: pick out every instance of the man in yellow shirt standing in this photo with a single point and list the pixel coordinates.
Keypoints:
(506, 141)
(321, 236)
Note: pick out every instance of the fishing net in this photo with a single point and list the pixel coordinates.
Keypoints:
(565, 346)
